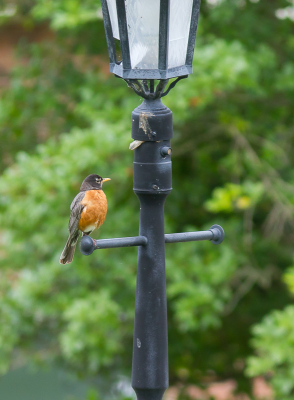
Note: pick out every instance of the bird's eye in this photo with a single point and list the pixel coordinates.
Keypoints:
(97, 179)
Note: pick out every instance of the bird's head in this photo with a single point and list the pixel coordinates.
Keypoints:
(93, 182)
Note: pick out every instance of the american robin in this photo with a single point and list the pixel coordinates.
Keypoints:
(88, 212)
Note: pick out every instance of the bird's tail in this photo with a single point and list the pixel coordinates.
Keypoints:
(69, 249)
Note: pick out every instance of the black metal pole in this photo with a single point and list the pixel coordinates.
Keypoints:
(152, 122)
(150, 358)
(152, 127)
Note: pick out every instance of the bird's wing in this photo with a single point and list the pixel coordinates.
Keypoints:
(76, 209)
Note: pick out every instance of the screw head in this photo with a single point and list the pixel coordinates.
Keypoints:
(155, 187)
(165, 151)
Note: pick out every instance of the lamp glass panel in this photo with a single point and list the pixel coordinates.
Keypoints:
(113, 17)
(179, 28)
(143, 32)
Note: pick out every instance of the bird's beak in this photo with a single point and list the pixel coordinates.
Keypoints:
(105, 180)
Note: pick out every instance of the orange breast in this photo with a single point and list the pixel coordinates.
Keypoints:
(94, 212)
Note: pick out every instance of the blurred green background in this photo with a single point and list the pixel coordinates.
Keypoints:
(66, 330)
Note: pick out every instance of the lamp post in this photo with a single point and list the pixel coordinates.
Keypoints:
(156, 39)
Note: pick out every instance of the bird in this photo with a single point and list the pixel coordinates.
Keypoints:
(87, 212)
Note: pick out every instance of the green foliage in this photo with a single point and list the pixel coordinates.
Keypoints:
(63, 117)
(235, 197)
(199, 289)
(274, 340)
(68, 13)
(94, 318)
(9, 336)
(40, 101)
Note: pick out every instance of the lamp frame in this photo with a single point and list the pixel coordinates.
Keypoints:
(123, 69)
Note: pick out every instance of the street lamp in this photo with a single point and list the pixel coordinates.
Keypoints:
(157, 37)
(156, 40)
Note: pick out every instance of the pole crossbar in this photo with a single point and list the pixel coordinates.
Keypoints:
(87, 245)
(215, 234)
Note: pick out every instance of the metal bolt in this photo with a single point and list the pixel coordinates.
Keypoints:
(155, 187)
(153, 133)
(165, 151)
